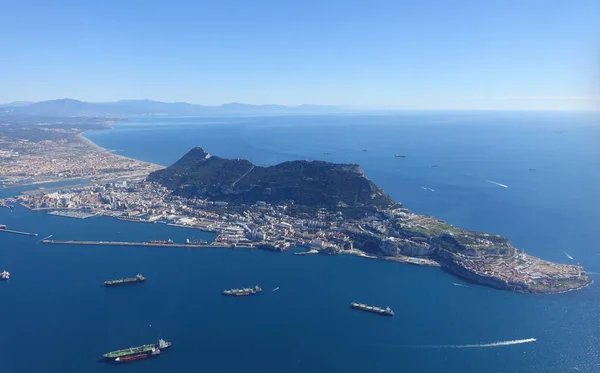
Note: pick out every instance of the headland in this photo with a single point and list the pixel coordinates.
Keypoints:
(327, 208)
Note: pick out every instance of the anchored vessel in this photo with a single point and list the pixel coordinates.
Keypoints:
(5, 275)
(121, 281)
(378, 310)
(241, 292)
(137, 353)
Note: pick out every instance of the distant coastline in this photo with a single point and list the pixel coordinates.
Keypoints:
(81, 136)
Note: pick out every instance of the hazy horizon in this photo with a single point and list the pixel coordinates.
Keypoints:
(423, 55)
(357, 108)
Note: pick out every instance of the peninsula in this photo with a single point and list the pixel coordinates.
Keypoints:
(327, 208)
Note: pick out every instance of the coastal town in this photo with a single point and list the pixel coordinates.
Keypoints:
(271, 227)
(115, 186)
(49, 154)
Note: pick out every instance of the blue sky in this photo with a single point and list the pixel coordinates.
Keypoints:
(480, 54)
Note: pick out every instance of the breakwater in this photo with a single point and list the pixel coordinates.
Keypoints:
(127, 243)
(18, 232)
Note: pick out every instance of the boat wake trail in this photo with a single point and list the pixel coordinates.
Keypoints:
(427, 189)
(461, 285)
(483, 345)
(277, 288)
(495, 183)
(568, 256)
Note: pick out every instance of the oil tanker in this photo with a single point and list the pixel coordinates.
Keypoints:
(137, 353)
(378, 310)
(122, 281)
(242, 292)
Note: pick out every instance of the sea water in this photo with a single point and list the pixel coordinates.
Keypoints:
(57, 316)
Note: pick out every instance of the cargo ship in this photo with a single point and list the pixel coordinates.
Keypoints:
(137, 353)
(5, 275)
(242, 292)
(378, 310)
(121, 281)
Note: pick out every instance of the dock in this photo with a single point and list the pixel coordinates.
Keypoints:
(18, 232)
(77, 214)
(126, 243)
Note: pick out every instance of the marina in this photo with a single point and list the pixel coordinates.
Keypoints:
(77, 214)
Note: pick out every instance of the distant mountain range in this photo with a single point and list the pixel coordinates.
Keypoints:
(69, 107)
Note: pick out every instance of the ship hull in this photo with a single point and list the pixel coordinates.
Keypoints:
(375, 310)
(137, 353)
(123, 283)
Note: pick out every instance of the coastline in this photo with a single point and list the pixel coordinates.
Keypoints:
(87, 141)
(418, 261)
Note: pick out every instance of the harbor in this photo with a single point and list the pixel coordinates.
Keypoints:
(77, 214)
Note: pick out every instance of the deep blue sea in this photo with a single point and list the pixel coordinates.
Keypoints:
(57, 317)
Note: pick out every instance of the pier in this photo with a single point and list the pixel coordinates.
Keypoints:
(126, 243)
(18, 232)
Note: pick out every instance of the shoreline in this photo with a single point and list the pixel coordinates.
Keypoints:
(91, 144)
(85, 140)
(403, 259)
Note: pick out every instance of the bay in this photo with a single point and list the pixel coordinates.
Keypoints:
(57, 316)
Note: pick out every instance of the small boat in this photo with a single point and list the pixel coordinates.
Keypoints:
(399, 156)
(5, 275)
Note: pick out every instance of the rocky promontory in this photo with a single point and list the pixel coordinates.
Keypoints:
(333, 208)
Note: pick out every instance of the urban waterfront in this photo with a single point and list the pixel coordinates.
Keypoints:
(307, 325)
